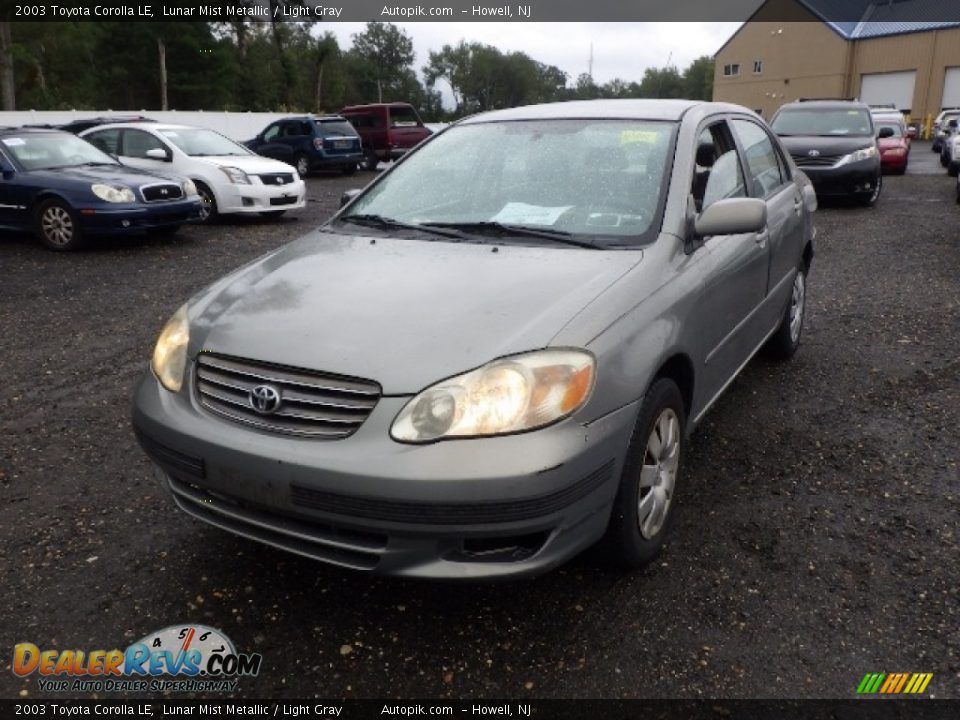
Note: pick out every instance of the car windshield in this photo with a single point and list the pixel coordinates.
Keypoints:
(821, 121)
(596, 178)
(335, 127)
(45, 151)
(199, 142)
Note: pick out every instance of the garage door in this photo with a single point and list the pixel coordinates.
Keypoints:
(886, 88)
(951, 88)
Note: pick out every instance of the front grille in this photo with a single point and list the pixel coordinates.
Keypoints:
(162, 192)
(816, 161)
(276, 178)
(283, 200)
(312, 404)
(450, 513)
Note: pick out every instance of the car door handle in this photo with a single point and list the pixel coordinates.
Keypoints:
(798, 205)
(762, 237)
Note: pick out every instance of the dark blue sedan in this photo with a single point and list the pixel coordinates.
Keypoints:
(64, 189)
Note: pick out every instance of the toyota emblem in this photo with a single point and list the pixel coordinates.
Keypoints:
(279, 179)
(265, 399)
(814, 153)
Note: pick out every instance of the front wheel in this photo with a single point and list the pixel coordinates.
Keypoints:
(870, 199)
(349, 168)
(302, 164)
(785, 341)
(56, 226)
(208, 204)
(643, 509)
(953, 169)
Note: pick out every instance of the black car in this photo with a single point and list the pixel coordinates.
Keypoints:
(63, 189)
(835, 144)
(310, 143)
(78, 126)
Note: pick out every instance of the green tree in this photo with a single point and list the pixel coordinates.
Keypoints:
(698, 79)
(388, 50)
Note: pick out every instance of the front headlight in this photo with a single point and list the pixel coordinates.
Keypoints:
(113, 193)
(236, 175)
(509, 395)
(170, 353)
(189, 188)
(858, 155)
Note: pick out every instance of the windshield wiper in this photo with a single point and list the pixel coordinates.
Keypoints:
(379, 221)
(503, 229)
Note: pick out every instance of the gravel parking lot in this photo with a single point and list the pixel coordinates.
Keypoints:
(816, 537)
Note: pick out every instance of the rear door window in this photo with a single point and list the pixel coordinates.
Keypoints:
(763, 165)
(403, 117)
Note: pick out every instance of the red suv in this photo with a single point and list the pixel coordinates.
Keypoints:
(388, 130)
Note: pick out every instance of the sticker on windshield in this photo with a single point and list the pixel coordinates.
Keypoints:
(631, 137)
(14, 141)
(515, 213)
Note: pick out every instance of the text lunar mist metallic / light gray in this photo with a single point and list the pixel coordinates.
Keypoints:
(492, 357)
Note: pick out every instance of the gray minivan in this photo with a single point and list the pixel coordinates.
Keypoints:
(492, 357)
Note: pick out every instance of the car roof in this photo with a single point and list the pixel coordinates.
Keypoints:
(25, 130)
(146, 126)
(827, 105)
(373, 106)
(626, 109)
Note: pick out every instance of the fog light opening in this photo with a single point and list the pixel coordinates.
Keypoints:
(512, 548)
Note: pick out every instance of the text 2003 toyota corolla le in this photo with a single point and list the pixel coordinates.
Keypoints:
(491, 358)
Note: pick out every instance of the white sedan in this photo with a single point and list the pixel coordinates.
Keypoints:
(229, 177)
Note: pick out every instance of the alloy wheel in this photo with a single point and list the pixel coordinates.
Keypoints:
(658, 474)
(797, 305)
(57, 225)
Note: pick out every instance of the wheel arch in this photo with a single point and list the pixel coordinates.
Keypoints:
(679, 368)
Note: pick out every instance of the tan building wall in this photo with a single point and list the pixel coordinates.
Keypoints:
(929, 53)
(803, 57)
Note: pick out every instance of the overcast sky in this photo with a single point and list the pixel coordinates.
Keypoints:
(620, 50)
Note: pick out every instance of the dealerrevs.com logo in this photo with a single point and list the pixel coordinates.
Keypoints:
(179, 658)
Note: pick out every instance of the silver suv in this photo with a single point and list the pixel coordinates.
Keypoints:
(492, 357)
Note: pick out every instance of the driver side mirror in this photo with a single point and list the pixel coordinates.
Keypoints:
(733, 216)
(885, 132)
(159, 154)
(348, 196)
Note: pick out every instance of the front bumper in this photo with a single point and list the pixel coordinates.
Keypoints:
(113, 220)
(893, 162)
(852, 179)
(494, 507)
(257, 197)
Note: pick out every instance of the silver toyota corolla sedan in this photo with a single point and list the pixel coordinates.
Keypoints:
(492, 357)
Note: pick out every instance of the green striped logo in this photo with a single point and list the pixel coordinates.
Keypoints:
(894, 683)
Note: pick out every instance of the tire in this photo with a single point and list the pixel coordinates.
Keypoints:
(370, 161)
(55, 223)
(302, 164)
(953, 169)
(871, 199)
(785, 341)
(643, 509)
(272, 213)
(208, 207)
(935, 147)
(944, 160)
(349, 169)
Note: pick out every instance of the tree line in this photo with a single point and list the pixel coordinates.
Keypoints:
(245, 65)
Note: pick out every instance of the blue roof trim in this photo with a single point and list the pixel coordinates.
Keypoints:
(859, 19)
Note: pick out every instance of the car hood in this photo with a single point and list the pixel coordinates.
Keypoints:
(113, 174)
(800, 145)
(250, 164)
(405, 313)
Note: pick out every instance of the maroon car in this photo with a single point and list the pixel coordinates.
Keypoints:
(894, 149)
(388, 130)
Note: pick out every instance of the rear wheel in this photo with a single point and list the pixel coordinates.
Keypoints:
(370, 160)
(349, 169)
(57, 227)
(643, 509)
(953, 169)
(785, 341)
